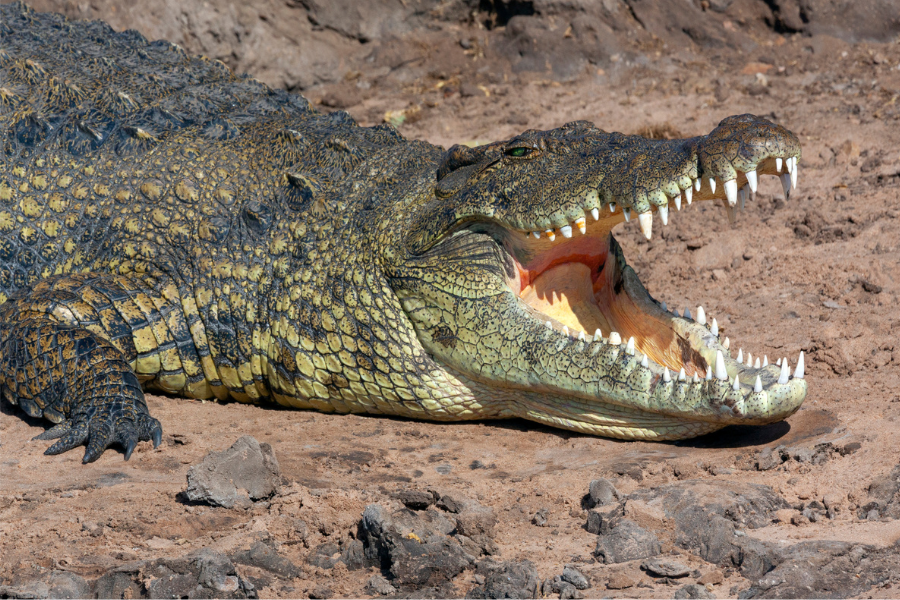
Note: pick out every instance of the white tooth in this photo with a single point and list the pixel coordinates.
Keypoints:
(580, 336)
(663, 306)
(695, 379)
(565, 330)
(612, 207)
(566, 230)
(582, 226)
(786, 184)
(697, 184)
(789, 163)
(688, 195)
(721, 373)
(714, 329)
(712, 184)
(677, 200)
(794, 175)
(742, 196)
(752, 180)
(536, 234)
(708, 373)
(664, 214)
(629, 349)
(646, 220)
(737, 384)
(749, 362)
(726, 344)
(765, 361)
(687, 313)
(731, 191)
(785, 372)
(550, 234)
(798, 372)
(778, 164)
(757, 387)
(597, 335)
(701, 315)
(549, 325)
(615, 339)
(644, 362)
(627, 213)
(756, 365)
(740, 357)
(681, 375)
(666, 377)
(595, 212)
(778, 362)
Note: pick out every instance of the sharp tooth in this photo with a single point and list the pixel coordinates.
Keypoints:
(664, 214)
(712, 184)
(646, 220)
(778, 362)
(731, 191)
(714, 329)
(644, 362)
(582, 225)
(756, 365)
(663, 306)
(666, 377)
(729, 212)
(565, 330)
(778, 164)
(789, 163)
(751, 180)
(740, 357)
(566, 230)
(550, 234)
(794, 174)
(757, 386)
(629, 349)
(695, 379)
(681, 375)
(749, 362)
(726, 344)
(742, 196)
(688, 195)
(765, 361)
(737, 384)
(597, 335)
(627, 213)
(595, 212)
(786, 184)
(687, 313)
(612, 207)
(549, 325)
(785, 372)
(721, 373)
(677, 200)
(675, 312)
(615, 339)
(701, 315)
(798, 372)
(708, 373)
(580, 336)
(536, 234)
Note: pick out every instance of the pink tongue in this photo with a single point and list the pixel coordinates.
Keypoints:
(565, 294)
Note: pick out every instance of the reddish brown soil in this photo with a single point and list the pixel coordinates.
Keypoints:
(819, 273)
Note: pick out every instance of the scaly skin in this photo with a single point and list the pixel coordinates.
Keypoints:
(168, 225)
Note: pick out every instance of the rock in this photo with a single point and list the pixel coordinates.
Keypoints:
(321, 592)
(769, 458)
(594, 522)
(476, 519)
(626, 541)
(619, 581)
(415, 499)
(379, 586)
(451, 503)
(711, 578)
(540, 517)
(601, 492)
(575, 577)
(662, 567)
(507, 580)
(245, 472)
(51, 584)
(693, 590)
(263, 556)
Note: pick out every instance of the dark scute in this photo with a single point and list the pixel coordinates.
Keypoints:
(258, 217)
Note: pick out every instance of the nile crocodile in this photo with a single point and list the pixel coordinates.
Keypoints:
(168, 225)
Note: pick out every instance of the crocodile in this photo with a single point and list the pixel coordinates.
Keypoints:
(170, 225)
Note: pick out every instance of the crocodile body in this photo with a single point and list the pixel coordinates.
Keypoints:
(168, 225)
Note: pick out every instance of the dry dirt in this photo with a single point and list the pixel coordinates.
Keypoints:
(818, 273)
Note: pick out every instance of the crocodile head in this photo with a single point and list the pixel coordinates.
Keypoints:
(517, 287)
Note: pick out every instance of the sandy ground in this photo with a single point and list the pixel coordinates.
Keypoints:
(818, 273)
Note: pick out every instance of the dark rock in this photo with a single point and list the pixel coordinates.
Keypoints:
(325, 556)
(540, 517)
(245, 472)
(693, 590)
(379, 586)
(770, 458)
(662, 567)
(594, 522)
(476, 519)
(626, 541)
(415, 499)
(450, 503)
(321, 592)
(52, 584)
(601, 493)
(265, 557)
(506, 580)
(575, 577)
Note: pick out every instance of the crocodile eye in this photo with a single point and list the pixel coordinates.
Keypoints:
(520, 151)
